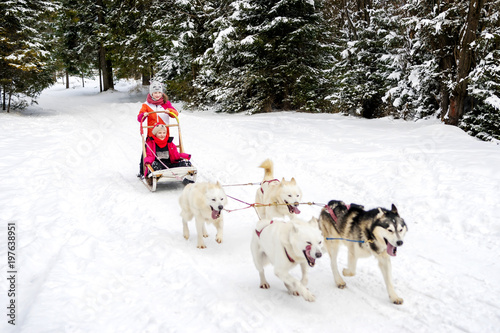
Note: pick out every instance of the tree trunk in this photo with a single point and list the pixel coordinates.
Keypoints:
(104, 63)
(3, 94)
(352, 28)
(10, 97)
(104, 68)
(67, 79)
(146, 77)
(109, 70)
(100, 71)
(464, 58)
(446, 66)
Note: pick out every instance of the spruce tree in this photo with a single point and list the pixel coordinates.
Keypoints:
(268, 55)
(370, 60)
(25, 40)
(482, 118)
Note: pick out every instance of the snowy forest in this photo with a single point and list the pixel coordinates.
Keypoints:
(368, 58)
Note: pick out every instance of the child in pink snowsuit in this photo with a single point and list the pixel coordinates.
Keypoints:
(161, 152)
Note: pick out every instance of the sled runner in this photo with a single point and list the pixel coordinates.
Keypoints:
(174, 171)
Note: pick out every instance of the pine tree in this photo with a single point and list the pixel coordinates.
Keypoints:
(25, 64)
(366, 79)
(136, 46)
(482, 119)
(187, 28)
(416, 92)
(268, 55)
(76, 47)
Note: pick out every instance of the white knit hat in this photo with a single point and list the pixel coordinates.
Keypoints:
(155, 87)
(159, 127)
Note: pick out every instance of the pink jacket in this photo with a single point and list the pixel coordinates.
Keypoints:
(175, 156)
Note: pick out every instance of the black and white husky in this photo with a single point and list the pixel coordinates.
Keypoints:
(378, 232)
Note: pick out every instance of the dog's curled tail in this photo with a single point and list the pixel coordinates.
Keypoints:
(268, 167)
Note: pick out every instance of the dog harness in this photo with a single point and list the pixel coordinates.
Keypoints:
(267, 181)
(258, 235)
(288, 256)
(259, 232)
(332, 214)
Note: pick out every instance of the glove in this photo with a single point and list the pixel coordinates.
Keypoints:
(156, 166)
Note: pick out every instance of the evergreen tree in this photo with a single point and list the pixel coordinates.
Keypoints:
(416, 93)
(25, 64)
(370, 61)
(482, 119)
(76, 47)
(136, 43)
(267, 55)
(187, 28)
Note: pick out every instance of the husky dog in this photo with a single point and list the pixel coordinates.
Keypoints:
(282, 196)
(378, 232)
(204, 202)
(284, 245)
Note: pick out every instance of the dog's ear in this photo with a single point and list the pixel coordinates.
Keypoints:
(314, 222)
(282, 182)
(293, 181)
(394, 209)
(380, 213)
(218, 184)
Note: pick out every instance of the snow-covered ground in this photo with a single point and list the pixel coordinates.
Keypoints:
(97, 252)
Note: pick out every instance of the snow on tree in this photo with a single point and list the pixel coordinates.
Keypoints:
(268, 55)
(25, 64)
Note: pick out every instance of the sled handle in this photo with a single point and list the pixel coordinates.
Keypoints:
(172, 115)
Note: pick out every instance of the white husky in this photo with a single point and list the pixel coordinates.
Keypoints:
(282, 197)
(204, 202)
(285, 245)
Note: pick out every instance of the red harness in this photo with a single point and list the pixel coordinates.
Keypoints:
(258, 235)
(288, 256)
(259, 232)
(267, 181)
(332, 214)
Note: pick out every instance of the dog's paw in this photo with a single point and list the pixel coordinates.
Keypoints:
(308, 296)
(205, 235)
(218, 240)
(186, 237)
(397, 301)
(265, 286)
(341, 285)
(201, 246)
(347, 272)
(294, 293)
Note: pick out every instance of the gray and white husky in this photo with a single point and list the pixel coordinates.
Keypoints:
(285, 245)
(378, 232)
(281, 198)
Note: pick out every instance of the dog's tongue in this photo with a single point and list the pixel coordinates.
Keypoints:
(310, 258)
(295, 210)
(215, 214)
(391, 250)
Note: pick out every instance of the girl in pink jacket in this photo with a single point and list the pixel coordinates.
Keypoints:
(161, 152)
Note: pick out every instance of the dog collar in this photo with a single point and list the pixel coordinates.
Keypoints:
(288, 256)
